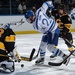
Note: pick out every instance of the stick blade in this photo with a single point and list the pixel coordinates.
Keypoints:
(55, 64)
(32, 53)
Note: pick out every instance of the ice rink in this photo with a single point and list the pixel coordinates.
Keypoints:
(25, 43)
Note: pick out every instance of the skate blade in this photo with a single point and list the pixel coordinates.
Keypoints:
(43, 65)
(39, 63)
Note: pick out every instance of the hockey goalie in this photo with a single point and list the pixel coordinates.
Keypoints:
(7, 42)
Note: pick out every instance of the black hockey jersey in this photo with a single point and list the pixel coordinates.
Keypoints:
(64, 21)
(7, 39)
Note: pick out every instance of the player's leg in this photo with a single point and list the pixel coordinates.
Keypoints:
(7, 65)
(70, 39)
(5, 61)
(54, 42)
(42, 49)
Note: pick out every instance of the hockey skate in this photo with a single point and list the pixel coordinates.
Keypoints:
(53, 57)
(7, 65)
(39, 61)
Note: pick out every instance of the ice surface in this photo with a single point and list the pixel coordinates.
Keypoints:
(25, 43)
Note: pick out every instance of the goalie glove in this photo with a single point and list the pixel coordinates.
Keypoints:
(15, 56)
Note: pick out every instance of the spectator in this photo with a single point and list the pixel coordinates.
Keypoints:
(22, 7)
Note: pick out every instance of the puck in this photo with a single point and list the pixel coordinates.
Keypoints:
(22, 65)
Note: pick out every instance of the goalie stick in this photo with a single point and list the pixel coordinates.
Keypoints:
(59, 64)
(36, 55)
(31, 56)
(23, 58)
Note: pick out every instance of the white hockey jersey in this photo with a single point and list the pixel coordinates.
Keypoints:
(43, 23)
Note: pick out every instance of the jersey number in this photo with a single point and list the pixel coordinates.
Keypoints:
(44, 21)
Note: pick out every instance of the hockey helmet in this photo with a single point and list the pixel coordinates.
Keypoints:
(28, 14)
(62, 7)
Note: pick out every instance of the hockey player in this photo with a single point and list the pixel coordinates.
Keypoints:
(64, 25)
(47, 26)
(7, 43)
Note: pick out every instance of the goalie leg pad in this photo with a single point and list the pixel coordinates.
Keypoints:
(7, 65)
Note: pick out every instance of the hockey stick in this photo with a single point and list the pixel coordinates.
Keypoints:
(23, 58)
(36, 55)
(31, 56)
(4, 55)
(21, 23)
(14, 23)
(68, 42)
(59, 64)
(27, 58)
